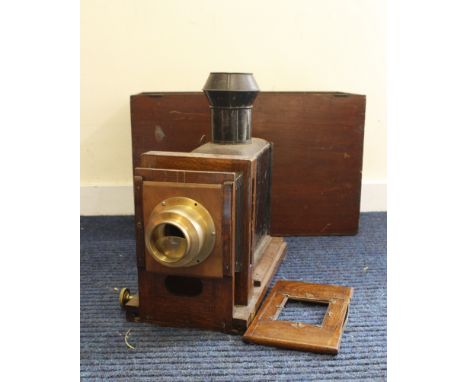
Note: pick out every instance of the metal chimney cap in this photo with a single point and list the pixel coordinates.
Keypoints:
(231, 82)
(231, 97)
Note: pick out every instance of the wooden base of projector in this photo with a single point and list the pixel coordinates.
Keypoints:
(196, 311)
(264, 271)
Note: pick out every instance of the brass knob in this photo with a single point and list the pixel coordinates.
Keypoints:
(180, 232)
(124, 296)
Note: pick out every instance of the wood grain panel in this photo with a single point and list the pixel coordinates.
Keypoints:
(205, 162)
(212, 309)
(317, 156)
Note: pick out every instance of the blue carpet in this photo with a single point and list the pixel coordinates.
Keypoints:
(168, 354)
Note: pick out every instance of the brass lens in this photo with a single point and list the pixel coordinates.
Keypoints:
(180, 232)
(170, 241)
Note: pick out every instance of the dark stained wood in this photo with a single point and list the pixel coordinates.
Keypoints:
(212, 309)
(139, 231)
(264, 270)
(325, 338)
(206, 162)
(317, 160)
(229, 228)
(229, 181)
(262, 202)
(218, 293)
(184, 176)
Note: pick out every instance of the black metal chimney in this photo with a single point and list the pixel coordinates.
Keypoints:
(231, 96)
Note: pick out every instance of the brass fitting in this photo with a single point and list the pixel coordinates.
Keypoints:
(180, 232)
(124, 296)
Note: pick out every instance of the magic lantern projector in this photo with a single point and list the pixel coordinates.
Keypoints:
(204, 251)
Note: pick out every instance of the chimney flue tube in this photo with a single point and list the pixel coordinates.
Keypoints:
(231, 96)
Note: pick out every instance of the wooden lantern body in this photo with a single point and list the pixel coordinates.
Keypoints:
(223, 292)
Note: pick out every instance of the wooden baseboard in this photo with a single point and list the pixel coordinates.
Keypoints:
(374, 196)
(106, 200)
(263, 272)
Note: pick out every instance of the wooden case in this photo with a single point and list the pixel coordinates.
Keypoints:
(318, 146)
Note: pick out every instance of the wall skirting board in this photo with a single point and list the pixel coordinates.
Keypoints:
(374, 196)
(118, 200)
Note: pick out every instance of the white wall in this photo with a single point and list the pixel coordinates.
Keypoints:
(129, 46)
